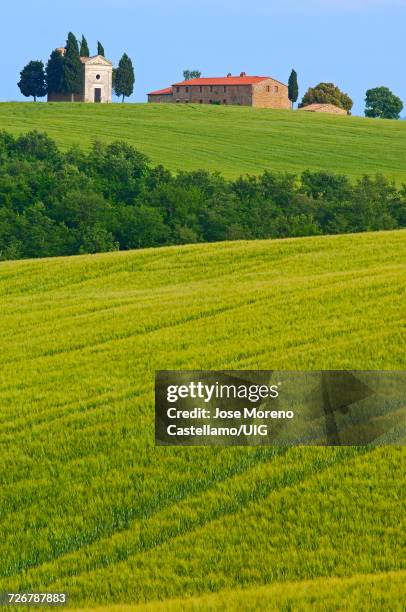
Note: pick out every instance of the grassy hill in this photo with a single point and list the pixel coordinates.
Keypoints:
(233, 140)
(90, 506)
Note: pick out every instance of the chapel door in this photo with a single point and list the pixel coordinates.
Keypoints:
(97, 94)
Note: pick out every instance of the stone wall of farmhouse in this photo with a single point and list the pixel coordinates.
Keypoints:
(162, 98)
(270, 94)
(217, 94)
(266, 94)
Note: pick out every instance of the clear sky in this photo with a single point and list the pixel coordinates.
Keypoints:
(357, 44)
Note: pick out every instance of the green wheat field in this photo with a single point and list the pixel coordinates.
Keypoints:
(232, 140)
(88, 505)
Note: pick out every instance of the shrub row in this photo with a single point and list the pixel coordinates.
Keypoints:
(111, 197)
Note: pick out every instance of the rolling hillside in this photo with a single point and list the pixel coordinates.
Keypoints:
(232, 140)
(90, 506)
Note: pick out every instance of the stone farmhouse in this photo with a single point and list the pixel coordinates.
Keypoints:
(97, 82)
(243, 90)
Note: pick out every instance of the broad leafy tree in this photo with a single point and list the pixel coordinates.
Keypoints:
(72, 69)
(382, 103)
(32, 80)
(124, 78)
(191, 74)
(293, 87)
(100, 49)
(54, 72)
(327, 93)
(84, 48)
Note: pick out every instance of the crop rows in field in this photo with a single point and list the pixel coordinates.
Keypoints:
(385, 591)
(89, 505)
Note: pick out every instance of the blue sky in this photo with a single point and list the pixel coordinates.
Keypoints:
(357, 44)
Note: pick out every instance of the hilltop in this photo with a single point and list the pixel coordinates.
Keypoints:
(90, 506)
(232, 140)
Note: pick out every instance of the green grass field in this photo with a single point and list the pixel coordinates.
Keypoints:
(90, 506)
(233, 140)
(385, 591)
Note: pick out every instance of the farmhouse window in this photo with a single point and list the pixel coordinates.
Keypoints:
(225, 88)
(187, 89)
(276, 89)
(178, 89)
(268, 88)
(211, 87)
(201, 89)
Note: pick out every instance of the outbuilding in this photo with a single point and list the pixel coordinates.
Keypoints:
(324, 108)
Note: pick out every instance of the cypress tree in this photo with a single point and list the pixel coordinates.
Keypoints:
(32, 80)
(54, 72)
(124, 78)
(100, 49)
(72, 69)
(293, 87)
(84, 48)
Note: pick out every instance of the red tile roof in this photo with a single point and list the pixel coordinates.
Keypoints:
(231, 80)
(161, 92)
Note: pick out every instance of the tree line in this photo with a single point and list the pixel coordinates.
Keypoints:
(64, 72)
(111, 197)
(380, 102)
